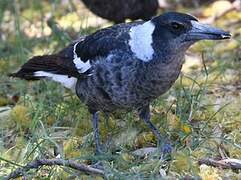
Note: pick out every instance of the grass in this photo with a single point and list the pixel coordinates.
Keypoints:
(201, 113)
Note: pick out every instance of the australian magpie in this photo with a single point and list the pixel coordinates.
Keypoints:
(119, 10)
(124, 67)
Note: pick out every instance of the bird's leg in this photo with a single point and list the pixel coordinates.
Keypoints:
(163, 141)
(95, 121)
(106, 117)
(144, 114)
(108, 126)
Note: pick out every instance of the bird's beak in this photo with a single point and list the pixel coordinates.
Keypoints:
(201, 31)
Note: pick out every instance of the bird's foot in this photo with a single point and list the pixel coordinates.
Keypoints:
(166, 148)
(98, 165)
(100, 150)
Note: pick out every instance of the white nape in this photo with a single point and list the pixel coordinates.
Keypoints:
(141, 41)
(68, 82)
(79, 64)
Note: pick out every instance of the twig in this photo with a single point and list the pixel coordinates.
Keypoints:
(234, 164)
(52, 162)
(142, 152)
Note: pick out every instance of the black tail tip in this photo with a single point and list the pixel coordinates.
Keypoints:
(16, 75)
(26, 76)
(12, 75)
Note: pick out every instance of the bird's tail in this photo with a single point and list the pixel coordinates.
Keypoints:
(29, 71)
(56, 67)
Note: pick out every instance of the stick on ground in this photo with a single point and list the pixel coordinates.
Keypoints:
(234, 164)
(52, 162)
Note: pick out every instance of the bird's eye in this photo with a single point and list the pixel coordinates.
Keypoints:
(176, 26)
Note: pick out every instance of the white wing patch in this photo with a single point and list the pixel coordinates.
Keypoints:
(68, 82)
(79, 64)
(141, 41)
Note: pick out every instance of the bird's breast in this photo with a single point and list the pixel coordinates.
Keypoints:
(126, 84)
(158, 77)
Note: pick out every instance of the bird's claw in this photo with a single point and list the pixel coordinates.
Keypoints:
(103, 148)
(100, 150)
(166, 148)
(98, 165)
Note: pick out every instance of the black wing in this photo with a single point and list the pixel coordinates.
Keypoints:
(103, 42)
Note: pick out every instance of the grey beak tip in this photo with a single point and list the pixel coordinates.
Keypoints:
(226, 36)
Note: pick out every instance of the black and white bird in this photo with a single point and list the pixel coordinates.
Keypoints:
(124, 67)
(120, 10)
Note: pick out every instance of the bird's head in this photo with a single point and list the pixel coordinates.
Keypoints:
(182, 30)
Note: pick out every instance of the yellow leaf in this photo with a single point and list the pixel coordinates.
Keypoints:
(20, 115)
(3, 101)
(209, 173)
(127, 157)
(181, 162)
(186, 129)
